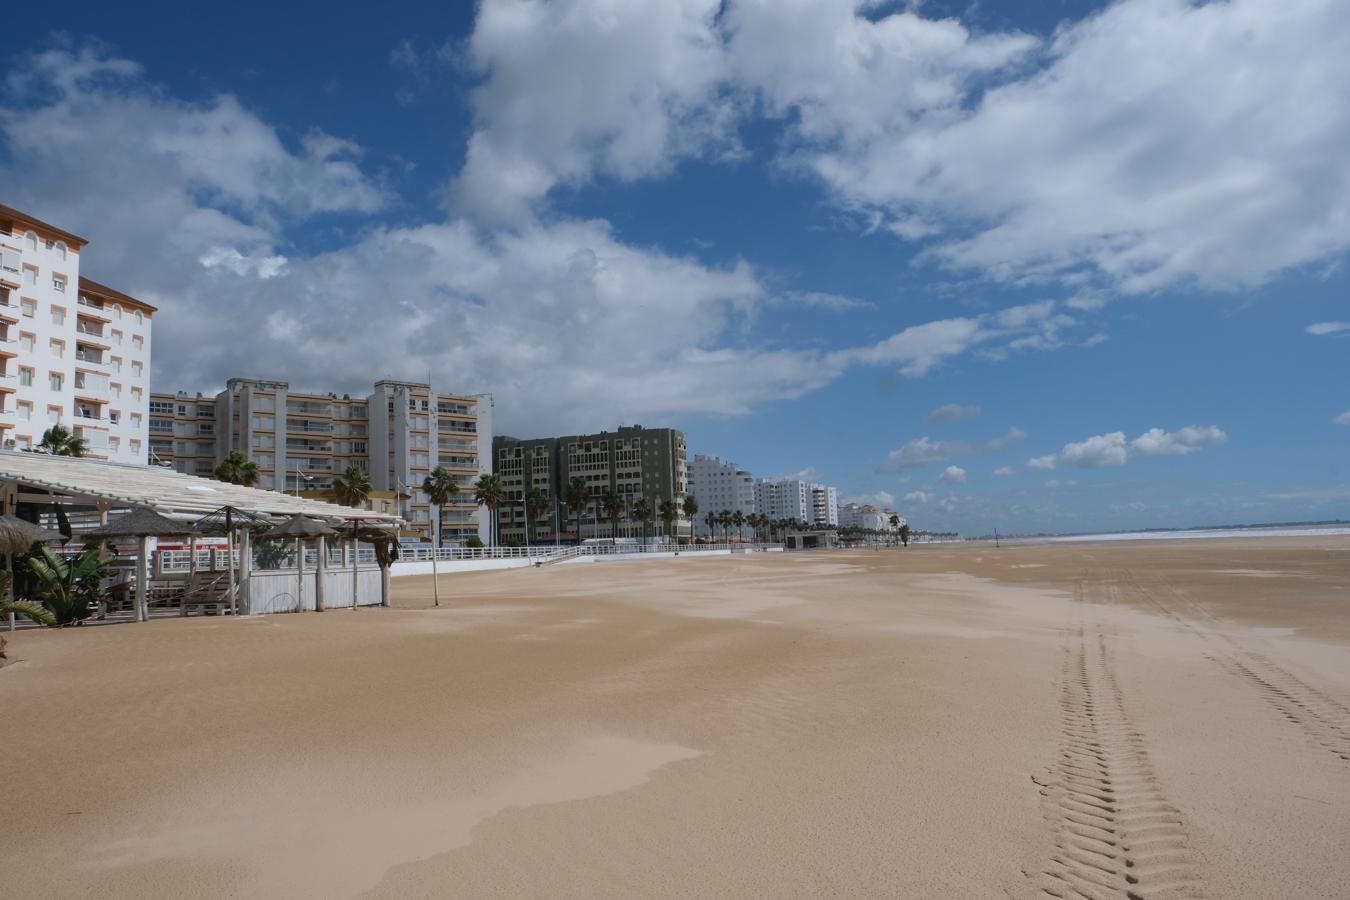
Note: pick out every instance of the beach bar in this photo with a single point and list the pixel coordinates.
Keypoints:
(247, 570)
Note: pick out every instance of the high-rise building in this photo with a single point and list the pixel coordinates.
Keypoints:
(635, 462)
(73, 352)
(824, 505)
(719, 485)
(301, 441)
(864, 516)
(799, 501)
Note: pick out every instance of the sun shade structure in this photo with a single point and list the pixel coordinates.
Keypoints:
(302, 528)
(142, 524)
(18, 535)
(170, 493)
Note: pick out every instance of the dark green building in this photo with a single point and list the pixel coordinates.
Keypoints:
(636, 462)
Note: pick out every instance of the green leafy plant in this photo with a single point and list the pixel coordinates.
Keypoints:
(29, 609)
(70, 586)
(474, 541)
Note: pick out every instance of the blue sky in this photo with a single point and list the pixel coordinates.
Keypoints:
(1114, 235)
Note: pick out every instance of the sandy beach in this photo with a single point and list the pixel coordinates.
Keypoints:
(1129, 720)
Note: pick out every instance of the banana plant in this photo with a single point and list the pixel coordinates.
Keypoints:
(70, 587)
(26, 608)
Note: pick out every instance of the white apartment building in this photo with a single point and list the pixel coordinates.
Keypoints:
(784, 499)
(824, 505)
(301, 441)
(72, 351)
(865, 516)
(719, 485)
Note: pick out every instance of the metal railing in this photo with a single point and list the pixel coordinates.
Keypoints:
(416, 553)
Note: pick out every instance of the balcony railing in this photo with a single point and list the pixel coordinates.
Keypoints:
(89, 356)
(314, 427)
(460, 427)
(91, 383)
(85, 301)
(90, 329)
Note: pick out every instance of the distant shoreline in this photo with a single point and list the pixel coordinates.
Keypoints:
(1292, 529)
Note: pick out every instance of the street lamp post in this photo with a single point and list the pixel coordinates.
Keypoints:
(299, 476)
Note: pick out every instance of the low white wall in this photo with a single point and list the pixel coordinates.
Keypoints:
(423, 567)
(277, 591)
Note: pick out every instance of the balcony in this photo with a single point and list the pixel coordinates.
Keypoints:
(303, 425)
(458, 428)
(89, 414)
(457, 444)
(94, 357)
(94, 329)
(91, 384)
(309, 446)
(309, 409)
(97, 440)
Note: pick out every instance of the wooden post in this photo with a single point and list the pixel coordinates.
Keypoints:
(192, 570)
(245, 574)
(356, 578)
(300, 574)
(142, 580)
(319, 571)
(229, 564)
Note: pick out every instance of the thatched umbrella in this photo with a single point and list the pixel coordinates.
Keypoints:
(17, 536)
(226, 521)
(142, 524)
(302, 528)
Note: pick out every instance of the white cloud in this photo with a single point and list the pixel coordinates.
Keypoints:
(1054, 483)
(576, 87)
(1004, 471)
(1156, 442)
(216, 192)
(1325, 328)
(954, 475)
(1099, 450)
(881, 500)
(920, 498)
(952, 412)
(921, 451)
(1111, 449)
(1342, 419)
(1164, 173)
(821, 300)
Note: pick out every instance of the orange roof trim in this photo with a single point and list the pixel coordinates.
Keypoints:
(10, 217)
(105, 293)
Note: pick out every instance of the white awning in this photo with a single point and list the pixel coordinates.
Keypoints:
(155, 487)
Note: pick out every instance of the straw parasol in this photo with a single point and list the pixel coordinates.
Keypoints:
(303, 528)
(226, 521)
(141, 524)
(16, 537)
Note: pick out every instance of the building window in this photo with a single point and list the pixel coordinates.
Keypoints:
(29, 307)
(25, 410)
(26, 341)
(135, 447)
(137, 341)
(117, 311)
(136, 369)
(135, 394)
(30, 276)
(161, 407)
(114, 416)
(58, 348)
(25, 376)
(136, 421)
(58, 315)
(116, 363)
(114, 444)
(54, 380)
(116, 336)
(31, 239)
(115, 388)
(59, 283)
(61, 249)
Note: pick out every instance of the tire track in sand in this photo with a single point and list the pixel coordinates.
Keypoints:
(1322, 718)
(1116, 835)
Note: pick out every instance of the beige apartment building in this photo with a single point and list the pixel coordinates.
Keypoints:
(300, 441)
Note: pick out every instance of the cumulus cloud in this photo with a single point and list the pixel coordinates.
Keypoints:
(920, 498)
(881, 500)
(1156, 442)
(217, 192)
(1004, 471)
(953, 475)
(1099, 450)
(1342, 419)
(578, 87)
(1001, 151)
(1054, 483)
(1325, 328)
(1112, 449)
(952, 412)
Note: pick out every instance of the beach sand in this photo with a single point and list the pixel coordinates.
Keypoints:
(1144, 719)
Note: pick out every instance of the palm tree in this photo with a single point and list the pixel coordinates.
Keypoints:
(489, 491)
(237, 469)
(58, 441)
(536, 502)
(904, 534)
(895, 524)
(352, 487)
(738, 519)
(643, 510)
(612, 504)
(669, 513)
(711, 521)
(690, 506)
(440, 487)
(724, 519)
(577, 497)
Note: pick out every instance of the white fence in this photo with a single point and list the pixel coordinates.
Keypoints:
(417, 561)
(280, 590)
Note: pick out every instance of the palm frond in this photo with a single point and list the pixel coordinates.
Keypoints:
(29, 610)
